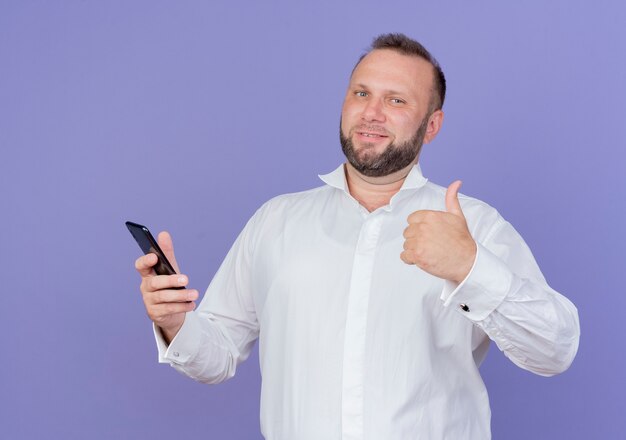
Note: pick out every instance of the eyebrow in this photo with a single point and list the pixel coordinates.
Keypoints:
(391, 92)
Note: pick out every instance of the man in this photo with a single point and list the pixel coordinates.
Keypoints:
(370, 326)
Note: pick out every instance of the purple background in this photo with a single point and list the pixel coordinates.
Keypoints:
(189, 115)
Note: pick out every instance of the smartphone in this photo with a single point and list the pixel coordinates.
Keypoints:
(149, 245)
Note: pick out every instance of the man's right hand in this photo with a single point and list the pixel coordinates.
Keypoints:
(165, 305)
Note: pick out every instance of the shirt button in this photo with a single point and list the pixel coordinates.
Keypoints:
(464, 307)
(175, 354)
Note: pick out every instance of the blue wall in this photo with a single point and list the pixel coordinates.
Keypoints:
(188, 115)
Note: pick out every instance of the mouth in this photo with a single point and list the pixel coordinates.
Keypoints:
(370, 135)
(373, 131)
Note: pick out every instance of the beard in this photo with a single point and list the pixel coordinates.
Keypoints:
(394, 158)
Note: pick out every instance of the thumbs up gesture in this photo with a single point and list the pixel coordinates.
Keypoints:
(439, 242)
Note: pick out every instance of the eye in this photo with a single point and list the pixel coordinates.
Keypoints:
(397, 101)
(360, 93)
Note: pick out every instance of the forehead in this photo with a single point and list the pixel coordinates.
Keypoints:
(388, 69)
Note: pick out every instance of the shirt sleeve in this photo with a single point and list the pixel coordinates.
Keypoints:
(506, 295)
(221, 332)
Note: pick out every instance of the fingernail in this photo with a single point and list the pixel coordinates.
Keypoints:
(181, 280)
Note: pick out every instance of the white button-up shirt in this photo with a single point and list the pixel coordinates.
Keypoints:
(354, 344)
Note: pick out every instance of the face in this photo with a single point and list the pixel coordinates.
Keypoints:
(385, 116)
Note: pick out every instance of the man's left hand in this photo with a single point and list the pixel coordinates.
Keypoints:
(439, 242)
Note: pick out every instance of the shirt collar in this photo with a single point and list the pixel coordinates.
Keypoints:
(337, 179)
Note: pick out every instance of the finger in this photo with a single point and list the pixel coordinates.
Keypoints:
(406, 257)
(159, 312)
(144, 265)
(408, 232)
(160, 282)
(167, 246)
(173, 296)
(452, 199)
(421, 215)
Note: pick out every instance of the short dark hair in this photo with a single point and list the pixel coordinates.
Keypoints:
(407, 46)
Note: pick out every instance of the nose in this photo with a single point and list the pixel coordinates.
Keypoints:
(373, 111)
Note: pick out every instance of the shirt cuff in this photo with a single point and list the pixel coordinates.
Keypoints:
(483, 289)
(185, 344)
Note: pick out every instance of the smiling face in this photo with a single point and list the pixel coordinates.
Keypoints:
(386, 113)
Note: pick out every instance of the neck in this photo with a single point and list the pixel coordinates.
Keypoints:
(374, 192)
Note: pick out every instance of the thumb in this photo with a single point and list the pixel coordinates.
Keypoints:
(452, 199)
(167, 246)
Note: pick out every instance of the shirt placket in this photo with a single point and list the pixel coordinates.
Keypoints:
(356, 326)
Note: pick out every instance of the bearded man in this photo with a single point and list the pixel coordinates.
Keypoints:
(375, 296)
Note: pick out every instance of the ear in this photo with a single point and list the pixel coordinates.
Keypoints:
(434, 125)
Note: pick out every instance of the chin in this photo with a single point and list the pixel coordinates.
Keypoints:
(377, 147)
